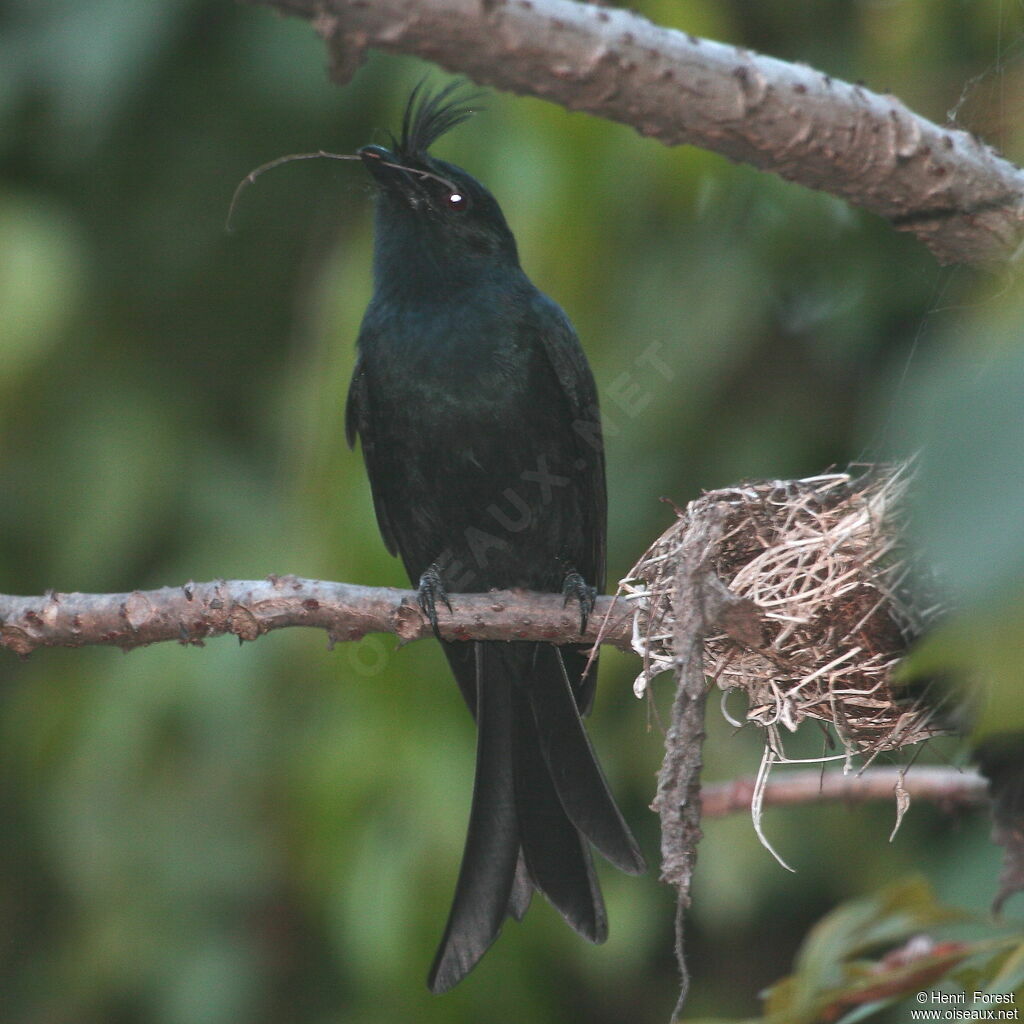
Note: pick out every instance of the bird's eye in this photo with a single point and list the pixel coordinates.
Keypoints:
(457, 201)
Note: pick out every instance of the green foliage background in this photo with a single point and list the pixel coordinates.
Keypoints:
(271, 833)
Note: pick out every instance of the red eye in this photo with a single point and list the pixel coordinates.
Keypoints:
(456, 201)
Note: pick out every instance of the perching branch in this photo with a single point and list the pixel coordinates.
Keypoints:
(964, 201)
(193, 612)
(949, 788)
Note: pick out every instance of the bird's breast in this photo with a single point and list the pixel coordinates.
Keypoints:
(458, 365)
(474, 454)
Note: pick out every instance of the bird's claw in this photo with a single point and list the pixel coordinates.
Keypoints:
(574, 586)
(430, 591)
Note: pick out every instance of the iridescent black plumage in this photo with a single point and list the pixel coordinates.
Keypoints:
(478, 419)
(428, 116)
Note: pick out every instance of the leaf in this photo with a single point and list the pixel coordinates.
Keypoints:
(915, 967)
(1010, 976)
(890, 915)
(832, 982)
(717, 1020)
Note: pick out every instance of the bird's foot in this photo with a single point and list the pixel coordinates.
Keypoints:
(574, 586)
(430, 591)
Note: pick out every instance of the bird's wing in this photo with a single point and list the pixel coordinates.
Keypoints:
(569, 363)
(358, 423)
(564, 353)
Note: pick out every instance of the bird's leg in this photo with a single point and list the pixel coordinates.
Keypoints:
(430, 591)
(575, 586)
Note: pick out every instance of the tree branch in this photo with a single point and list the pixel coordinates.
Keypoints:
(193, 612)
(957, 195)
(949, 788)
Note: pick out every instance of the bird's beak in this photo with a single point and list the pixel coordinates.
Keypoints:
(393, 181)
(374, 158)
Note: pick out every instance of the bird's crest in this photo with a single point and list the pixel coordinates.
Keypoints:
(429, 115)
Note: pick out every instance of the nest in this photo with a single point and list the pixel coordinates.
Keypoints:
(822, 561)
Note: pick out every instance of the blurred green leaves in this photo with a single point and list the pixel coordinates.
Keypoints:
(965, 409)
(83, 61)
(41, 285)
(835, 982)
(969, 496)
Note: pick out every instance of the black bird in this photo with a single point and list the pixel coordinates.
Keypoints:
(477, 414)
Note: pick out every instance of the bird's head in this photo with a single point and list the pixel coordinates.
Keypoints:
(428, 207)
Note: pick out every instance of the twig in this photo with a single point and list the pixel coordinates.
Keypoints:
(194, 612)
(949, 788)
(956, 194)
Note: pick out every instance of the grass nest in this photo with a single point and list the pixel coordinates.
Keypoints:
(823, 562)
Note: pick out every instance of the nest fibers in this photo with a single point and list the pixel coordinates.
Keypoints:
(822, 560)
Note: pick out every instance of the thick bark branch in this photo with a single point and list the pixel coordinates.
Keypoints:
(947, 787)
(247, 608)
(964, 201)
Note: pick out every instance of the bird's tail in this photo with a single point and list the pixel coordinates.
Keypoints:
(538, 797)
